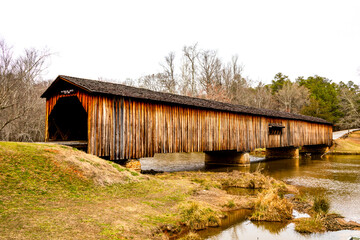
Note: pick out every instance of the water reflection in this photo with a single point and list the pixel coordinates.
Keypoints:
(232, 218)
(272, 227)
(248, 230)
(336, 176)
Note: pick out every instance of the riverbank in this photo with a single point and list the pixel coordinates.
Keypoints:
(51, 190)
(349, 144)
(56, 192)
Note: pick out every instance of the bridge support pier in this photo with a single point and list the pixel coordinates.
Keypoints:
(282, 152)
(231, 157)
(314, 149)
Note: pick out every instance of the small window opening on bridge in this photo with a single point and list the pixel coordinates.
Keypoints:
(275, 128)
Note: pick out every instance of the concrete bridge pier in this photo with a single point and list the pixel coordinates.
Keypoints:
(229, 158)
(314, 149)
(282, 152)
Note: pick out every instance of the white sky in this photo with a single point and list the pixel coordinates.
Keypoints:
(121, 39)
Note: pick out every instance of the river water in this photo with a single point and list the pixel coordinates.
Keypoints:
(338, 177)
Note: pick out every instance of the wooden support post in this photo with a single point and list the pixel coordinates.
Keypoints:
(282, 152)
(231, 157)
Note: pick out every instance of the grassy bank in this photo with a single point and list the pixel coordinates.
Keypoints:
(56, 192)
(349, 144)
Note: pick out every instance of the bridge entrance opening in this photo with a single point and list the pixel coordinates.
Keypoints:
(68, 121)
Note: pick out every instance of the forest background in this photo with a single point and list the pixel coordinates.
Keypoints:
(199, 73)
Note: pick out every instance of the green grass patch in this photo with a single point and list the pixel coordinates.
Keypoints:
(117, 166)
(110, 232)
(134, 173)
(162, 219)
(31, 171)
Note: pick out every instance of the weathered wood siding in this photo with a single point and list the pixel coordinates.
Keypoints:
(124, 128)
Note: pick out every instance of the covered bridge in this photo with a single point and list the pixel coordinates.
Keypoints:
(122, 122)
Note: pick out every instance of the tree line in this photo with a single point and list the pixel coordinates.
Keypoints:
(198, 73)
(202, 73)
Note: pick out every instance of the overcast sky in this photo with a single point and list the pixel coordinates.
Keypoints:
(127, 39)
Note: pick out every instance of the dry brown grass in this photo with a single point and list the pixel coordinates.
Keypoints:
(348, 145)
(270, 206)
(101, 172)
(222, 200)
(235, 179)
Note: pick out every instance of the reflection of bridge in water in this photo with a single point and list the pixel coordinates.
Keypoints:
(121, 123)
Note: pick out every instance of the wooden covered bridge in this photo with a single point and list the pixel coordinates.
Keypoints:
(121, 122)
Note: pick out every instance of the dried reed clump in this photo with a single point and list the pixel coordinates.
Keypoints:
(198, 216)
(270, 206)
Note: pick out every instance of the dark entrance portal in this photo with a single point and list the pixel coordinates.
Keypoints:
(68, 120)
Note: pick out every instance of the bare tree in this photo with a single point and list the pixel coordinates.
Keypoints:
(261, 97)
(152, 81)
(210, 71)
(349, 98)
(237, 86)
(169, 82)
(189, 70)
(292, 97)
(18, 76)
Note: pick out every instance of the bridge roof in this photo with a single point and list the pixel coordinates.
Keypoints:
(100, 87)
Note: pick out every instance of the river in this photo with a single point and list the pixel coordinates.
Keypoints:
(338, 177)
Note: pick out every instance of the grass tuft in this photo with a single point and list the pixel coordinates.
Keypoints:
(230, 204)
(198, 216)
(269, 206)
(310, 225)
(321, 204)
